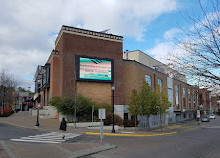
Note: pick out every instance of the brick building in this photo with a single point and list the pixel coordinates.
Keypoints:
(204, 101)
(61, 75)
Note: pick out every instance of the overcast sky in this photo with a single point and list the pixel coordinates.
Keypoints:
(28, 28)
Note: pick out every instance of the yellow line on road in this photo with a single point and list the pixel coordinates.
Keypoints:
(131, 135)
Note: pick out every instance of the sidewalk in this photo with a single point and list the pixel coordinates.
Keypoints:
(25, 120)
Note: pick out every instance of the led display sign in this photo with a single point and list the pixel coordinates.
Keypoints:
(94, 69)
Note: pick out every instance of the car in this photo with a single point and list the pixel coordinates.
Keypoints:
(204, 118)
(212, 116)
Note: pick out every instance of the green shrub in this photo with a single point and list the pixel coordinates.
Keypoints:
(6, 114)
(129, 123)
(118, 120)
(108, 120)
(64, 105)
(83, 106)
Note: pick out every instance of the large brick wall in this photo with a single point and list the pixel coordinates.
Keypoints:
(133, 76)
(63, 67)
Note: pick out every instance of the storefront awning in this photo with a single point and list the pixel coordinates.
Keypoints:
(36, 96)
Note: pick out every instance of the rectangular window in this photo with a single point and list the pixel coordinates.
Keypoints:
(125, 116)
(194, 99)
(47, 75)
(177, 97)
(184, 98)
(148, 79)
(159, 81)
(189, 96)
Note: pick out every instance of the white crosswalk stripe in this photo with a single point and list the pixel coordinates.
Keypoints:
(52, 137)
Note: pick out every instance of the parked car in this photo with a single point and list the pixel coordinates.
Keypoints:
(204, 118)
(212, 116)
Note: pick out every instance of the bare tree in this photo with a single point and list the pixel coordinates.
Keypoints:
(199, 46)
(7, 89)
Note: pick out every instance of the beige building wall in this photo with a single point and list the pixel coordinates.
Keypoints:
(133, 76)
(145, 59)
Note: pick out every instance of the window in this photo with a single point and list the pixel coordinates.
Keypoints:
(159, 81)
(125, 116)
(177, 96)
(48, 75)
(148, 79)
(184, 98)
(194, 99)
(189, 96)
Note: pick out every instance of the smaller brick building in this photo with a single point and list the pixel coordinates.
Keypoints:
(205, 101)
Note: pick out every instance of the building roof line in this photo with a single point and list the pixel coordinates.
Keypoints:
(88, 33)
(158, 71)
(144, 65)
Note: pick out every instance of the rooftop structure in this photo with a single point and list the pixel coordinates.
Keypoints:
(145, 59)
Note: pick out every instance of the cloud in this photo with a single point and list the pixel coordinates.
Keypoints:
(27, 29)
(162, 51)
(171, 34)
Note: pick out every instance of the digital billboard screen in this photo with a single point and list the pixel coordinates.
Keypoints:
(94, 69)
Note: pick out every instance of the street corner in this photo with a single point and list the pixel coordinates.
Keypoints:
(86, 149)
(133, 135)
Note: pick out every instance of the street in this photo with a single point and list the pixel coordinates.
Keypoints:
(202, 142)
(25, 143)
(9, 132)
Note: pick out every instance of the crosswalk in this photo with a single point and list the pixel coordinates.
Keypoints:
(52, 137)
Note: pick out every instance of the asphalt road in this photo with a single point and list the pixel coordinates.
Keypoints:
(203, 142)
(18, 142)
(9, 132)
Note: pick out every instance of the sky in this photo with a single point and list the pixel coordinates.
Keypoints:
(28, 28)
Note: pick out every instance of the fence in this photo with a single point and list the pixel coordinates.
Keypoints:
(154, 121)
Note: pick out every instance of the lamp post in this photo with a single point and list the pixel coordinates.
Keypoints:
(198, 101)
(37, 123)
(113, 110)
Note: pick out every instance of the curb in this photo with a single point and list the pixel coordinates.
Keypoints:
(132, 135)
(91, 151)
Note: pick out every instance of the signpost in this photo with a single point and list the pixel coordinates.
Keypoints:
(198, 116)
(37, 123)
(101, 116)
(92, 115)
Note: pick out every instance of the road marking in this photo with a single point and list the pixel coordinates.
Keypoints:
(132, 135)
(34, 141)
(52, 137)
(127, 132)
(7, 149)
(210, 126)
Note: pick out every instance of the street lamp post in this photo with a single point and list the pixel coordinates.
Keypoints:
(37, 123)
(113, 110)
